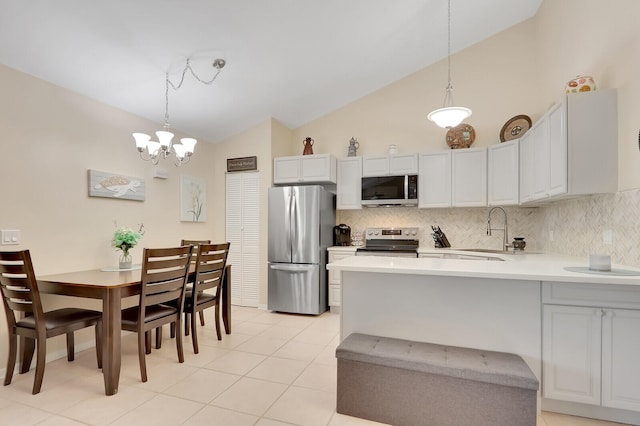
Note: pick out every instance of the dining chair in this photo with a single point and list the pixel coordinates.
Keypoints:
(163, 280)
(195, 244)
(27, 319)
(207, 287)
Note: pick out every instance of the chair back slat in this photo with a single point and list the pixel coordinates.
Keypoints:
(19, 286)
(210, 265)
(164, 275)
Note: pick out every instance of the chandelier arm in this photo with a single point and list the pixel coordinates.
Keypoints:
(218, 64)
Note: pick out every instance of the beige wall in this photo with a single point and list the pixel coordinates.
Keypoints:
(258, 141)
(50, 138)
(486, 78)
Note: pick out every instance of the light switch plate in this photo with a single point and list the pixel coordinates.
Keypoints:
(10, 237)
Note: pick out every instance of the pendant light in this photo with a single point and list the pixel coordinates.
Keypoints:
(449, 115)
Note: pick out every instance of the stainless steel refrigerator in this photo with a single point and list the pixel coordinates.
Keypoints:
(301, 221)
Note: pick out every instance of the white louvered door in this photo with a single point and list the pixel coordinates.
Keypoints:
(242, 230)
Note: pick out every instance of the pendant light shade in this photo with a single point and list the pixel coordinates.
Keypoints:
(449, 115)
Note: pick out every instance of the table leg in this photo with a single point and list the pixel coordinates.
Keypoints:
(111, 354)
(226, 299)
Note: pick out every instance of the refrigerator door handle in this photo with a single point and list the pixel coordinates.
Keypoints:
(293, 268)
(291, 226)
(294, 222)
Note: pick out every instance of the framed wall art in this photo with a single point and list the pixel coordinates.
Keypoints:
(114, 185)
(193, 199)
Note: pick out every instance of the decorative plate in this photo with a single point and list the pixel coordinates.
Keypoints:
(515, 128)
(461, 136)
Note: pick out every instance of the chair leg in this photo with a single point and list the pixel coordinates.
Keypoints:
(179, 340)
(172, 331)
(70, 347)
(11, 360)
(141, 354)
(194, 334)
(147, 342)
(186, 323)
(99, 343)
(217, 309)
(41, 359)
(202, 318)
(27, 348)
(158, 337)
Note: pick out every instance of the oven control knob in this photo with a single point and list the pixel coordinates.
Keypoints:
(370, 232)
(413, 232)
(376, 232)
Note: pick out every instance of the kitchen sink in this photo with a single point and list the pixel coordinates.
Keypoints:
(483, 250)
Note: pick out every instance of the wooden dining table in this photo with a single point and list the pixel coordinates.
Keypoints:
(111, 287)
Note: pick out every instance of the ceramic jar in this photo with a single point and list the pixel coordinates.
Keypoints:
(519, 243)
(582, 83)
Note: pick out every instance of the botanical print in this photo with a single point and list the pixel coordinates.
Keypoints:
(111, 185)
(193, 195)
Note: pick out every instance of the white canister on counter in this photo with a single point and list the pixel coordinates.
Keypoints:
(393, 149)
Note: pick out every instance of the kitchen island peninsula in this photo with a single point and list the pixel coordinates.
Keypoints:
(578, 332)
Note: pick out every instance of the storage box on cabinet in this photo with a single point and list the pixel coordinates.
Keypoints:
(318, 168)
(591, 344)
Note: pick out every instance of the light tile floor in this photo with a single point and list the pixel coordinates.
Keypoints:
(273, 370)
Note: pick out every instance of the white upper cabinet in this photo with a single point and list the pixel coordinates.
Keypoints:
(469, 177)
(349, 186)
(434, 185)
(318, 168)
(574, 148)
(526, 167)
(503, 174)
(389, 165)
(375, 165)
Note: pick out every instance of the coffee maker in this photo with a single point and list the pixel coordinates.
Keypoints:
(341, 235)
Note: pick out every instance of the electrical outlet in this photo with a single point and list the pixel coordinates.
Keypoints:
(607, 236)
(10, 237)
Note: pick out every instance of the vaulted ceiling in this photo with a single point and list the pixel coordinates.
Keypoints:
(294, 60)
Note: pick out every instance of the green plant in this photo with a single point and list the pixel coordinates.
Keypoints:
(125, 238)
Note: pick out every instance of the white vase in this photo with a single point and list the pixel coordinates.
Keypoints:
(125, 260)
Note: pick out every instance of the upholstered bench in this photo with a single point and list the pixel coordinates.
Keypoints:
(401, 382)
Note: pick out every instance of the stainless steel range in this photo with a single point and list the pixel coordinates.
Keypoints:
(395, 242)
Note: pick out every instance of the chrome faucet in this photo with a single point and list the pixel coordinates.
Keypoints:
(505, 242)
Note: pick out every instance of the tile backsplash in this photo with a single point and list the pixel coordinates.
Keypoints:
(575, 227)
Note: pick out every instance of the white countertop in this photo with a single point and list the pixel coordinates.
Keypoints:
(538, 267)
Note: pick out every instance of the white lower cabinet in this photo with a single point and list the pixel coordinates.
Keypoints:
(571, 353)
(621, 359)
(591, 354)
(335, 277)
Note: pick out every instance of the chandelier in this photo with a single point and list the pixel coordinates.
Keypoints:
(162, 148)
(449, 115)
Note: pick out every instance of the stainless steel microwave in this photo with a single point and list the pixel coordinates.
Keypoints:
(390, 191)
